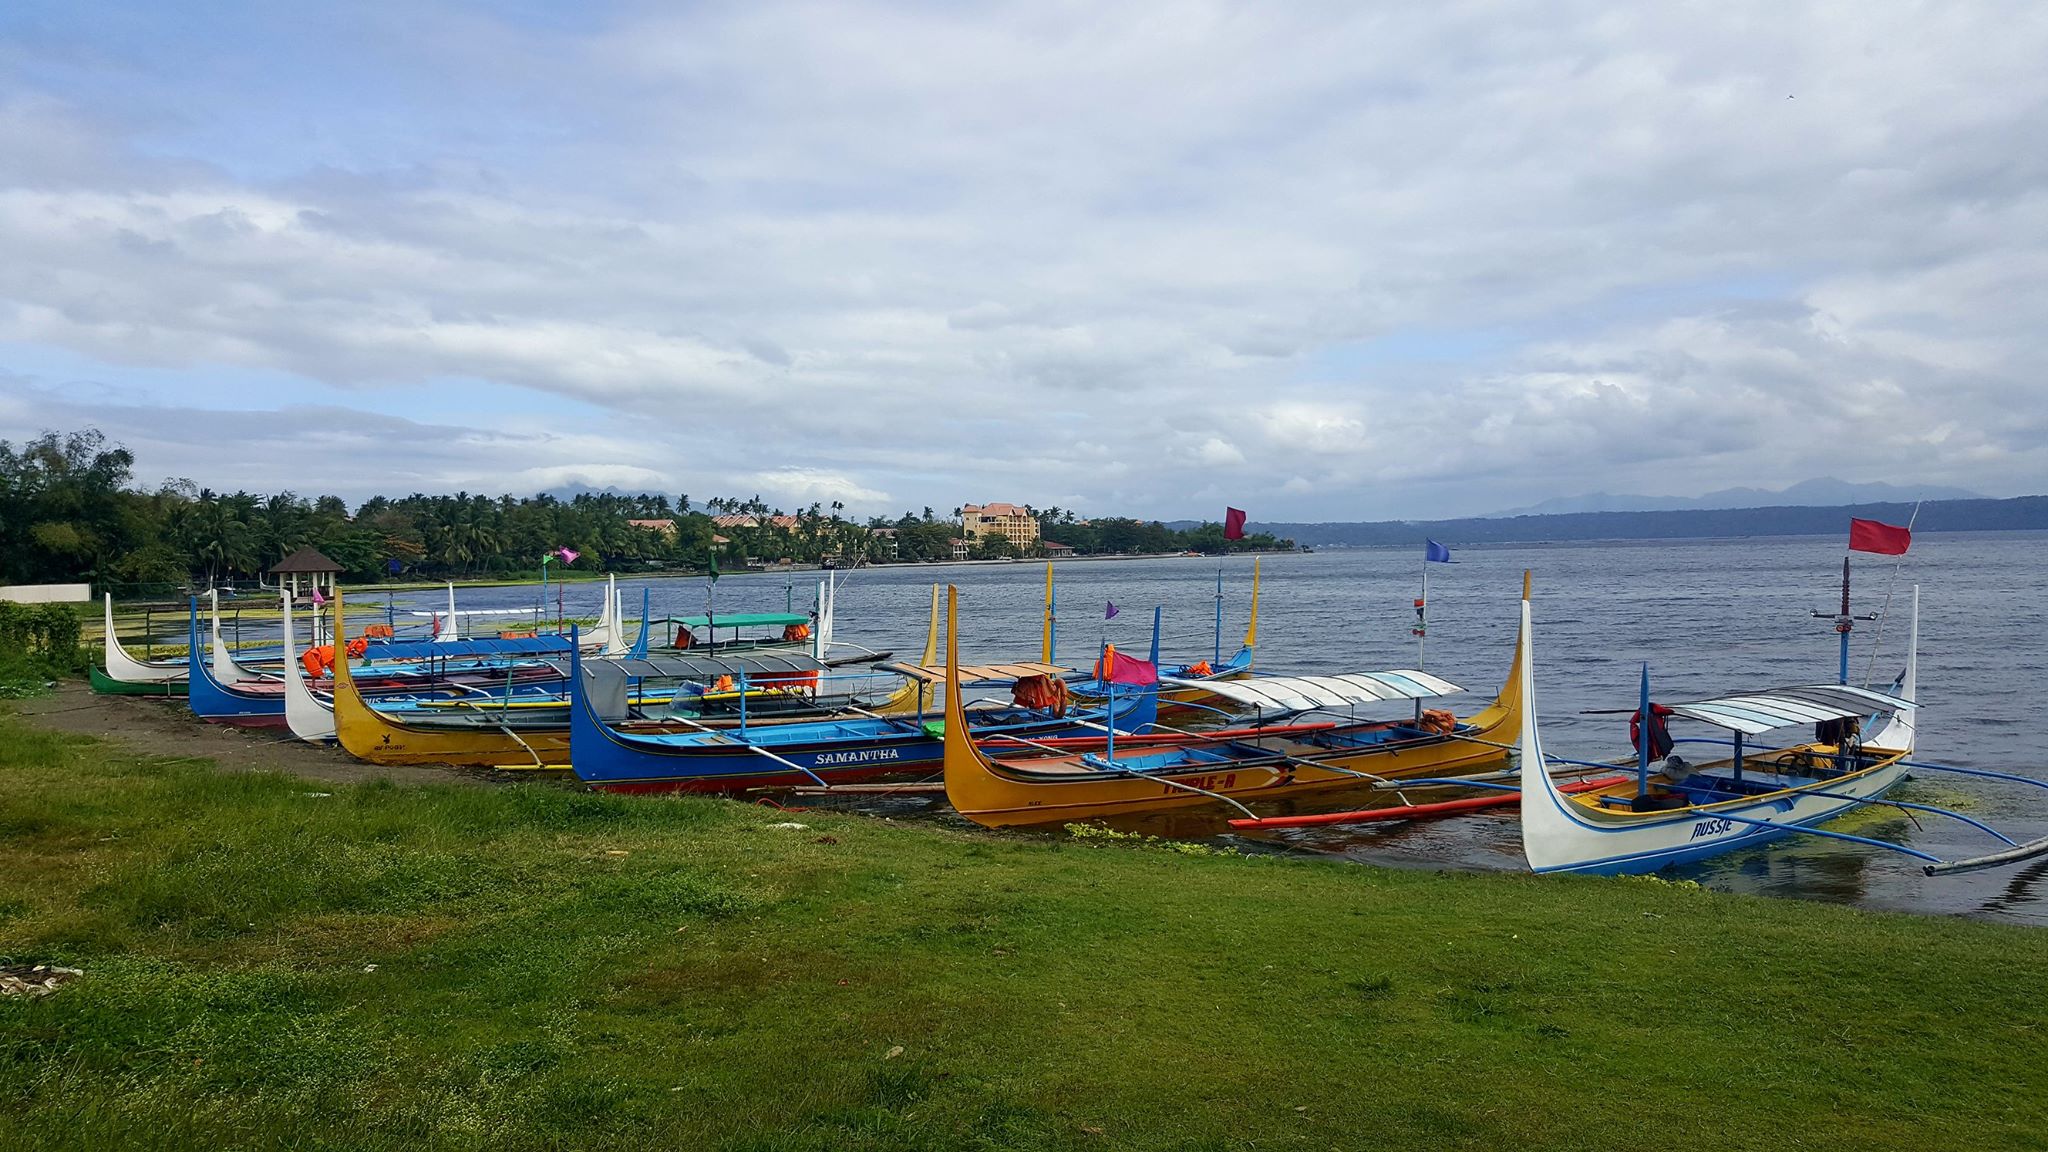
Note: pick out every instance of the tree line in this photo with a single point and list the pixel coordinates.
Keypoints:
(71, 511)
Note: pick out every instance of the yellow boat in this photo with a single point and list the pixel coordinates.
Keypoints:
(1054, 781)
(384, 738)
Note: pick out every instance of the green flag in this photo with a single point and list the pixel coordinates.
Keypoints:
(714, 565)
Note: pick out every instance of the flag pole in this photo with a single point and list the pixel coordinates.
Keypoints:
(1877, 644)
(1422, 616)
(1422, 627)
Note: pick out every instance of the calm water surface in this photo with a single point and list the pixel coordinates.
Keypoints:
(1710, 616)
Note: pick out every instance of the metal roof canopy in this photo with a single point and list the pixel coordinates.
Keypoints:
(679, 667)
(1305, 693)
(1756, 713)
(740, 620)
(977, 673)
(605, 680)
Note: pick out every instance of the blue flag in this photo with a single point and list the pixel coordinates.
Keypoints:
(1111, 613)
(1433, 552)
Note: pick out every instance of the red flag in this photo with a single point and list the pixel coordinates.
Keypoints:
(1879, 537)
(1233, 523)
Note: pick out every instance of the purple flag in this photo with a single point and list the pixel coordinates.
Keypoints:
(1111, 614)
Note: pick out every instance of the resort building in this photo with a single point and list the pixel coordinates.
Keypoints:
(786, 523)
(960, 547)
(1009, 521)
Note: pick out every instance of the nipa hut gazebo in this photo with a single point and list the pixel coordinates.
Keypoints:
(318, 570)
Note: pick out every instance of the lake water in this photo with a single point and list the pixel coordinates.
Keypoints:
(1709, 616)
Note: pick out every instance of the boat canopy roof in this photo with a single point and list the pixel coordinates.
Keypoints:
(1303, 693)
(553, 645)
(1760, 712)
(977, 673)
(682, 667)
(606, 680)
(742, 620)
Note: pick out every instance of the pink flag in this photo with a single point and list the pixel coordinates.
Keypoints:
(568, 556)
(318, 599)
(1117, 668)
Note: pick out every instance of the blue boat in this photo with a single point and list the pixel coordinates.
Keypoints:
(609, 755)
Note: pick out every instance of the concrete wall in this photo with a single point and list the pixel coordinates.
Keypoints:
(46, 593)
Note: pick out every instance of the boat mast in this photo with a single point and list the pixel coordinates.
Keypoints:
(1843, 624)
(1218, 659)
(1642, 736)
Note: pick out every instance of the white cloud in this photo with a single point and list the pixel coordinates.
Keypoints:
(1363, 261)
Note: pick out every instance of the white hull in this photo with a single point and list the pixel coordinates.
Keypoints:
(304, 714)
(1561, 835)
(127, 669)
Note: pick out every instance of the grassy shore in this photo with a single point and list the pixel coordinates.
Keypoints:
(271, 965)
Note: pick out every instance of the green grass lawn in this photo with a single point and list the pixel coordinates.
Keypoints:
(533, 967)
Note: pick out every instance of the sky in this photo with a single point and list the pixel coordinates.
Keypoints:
(1322, 262)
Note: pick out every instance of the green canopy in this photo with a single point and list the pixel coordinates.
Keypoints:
(744, 620)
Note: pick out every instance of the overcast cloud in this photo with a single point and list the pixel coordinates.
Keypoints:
(1320, 262)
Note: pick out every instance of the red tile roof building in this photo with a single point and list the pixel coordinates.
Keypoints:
(1015, 524)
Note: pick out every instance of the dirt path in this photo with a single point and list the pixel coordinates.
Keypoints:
(165, 727)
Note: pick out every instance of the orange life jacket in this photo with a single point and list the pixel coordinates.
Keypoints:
(1044, 691)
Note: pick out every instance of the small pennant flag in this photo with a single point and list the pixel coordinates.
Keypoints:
(1879, 537)
(714, 567)
(1435, 553)
(318, 599)
(1110, 614)
(568, 555)
(1233, 523)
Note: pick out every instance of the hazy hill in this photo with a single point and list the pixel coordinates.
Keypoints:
(1826, 492)
(1979, 515)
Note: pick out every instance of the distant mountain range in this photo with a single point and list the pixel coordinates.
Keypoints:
(1826, 492)
(1978, 515)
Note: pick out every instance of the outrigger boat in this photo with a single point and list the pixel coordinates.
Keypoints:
(533, 730)
(611, 752)
(998, 781)
(446, 671)
(390, 671)
(1678, 813)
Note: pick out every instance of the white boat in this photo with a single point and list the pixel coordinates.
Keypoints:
(1674, 813)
